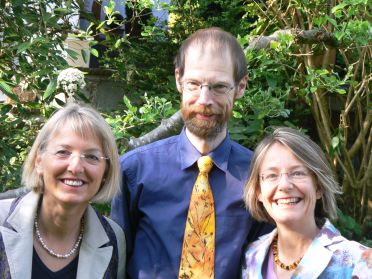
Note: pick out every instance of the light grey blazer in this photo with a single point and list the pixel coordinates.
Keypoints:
(18, 243)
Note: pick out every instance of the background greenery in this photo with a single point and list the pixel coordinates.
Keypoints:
(308, 62)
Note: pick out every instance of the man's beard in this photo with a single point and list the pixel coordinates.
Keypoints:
(206, 129)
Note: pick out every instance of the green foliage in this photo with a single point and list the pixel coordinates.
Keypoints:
(351, 229)
(18, 129)
(188, 16)
(31, 43)
(137, 63)
(327, 84)
(135, 121)
(322, 79)
(266, 100)
(103, 208)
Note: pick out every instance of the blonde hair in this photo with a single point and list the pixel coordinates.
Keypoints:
(85, 121)
(311, 155)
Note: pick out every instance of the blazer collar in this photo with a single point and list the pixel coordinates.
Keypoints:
(261, 248)
(18, 238)
(316, 255)
(94, 255)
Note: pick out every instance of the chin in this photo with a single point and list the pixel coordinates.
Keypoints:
(205, 129)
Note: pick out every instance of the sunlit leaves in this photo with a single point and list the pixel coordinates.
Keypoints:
(135, 120)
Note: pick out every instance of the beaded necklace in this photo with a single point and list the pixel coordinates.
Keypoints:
(50, 251)
(276, 257)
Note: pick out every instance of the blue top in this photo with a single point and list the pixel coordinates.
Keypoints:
(157, 180)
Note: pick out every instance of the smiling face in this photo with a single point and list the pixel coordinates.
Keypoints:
(74, 180)
(206, 115)
(289, 201)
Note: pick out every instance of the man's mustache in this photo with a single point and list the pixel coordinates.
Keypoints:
(192, 110)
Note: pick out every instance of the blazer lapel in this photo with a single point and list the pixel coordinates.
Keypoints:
(18, 238)
(317, 257)
(93, 258)
(263, 250)
(260, 252)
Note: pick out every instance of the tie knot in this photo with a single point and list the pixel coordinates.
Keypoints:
(205, 164)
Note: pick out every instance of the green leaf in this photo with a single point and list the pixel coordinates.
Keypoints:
(7, 90)
(23, 46)
(84, 55)
(50, 89)
(5, 87)
(341, 91)
(111, 4)
(335, 142)
(73, 54)
(127, 102)
(274, 44)
(94, 52)
(117, 43)
(322, 72)
(338, 7)
(313, 89)
(332, 21)
(100, 25)
(61, 11)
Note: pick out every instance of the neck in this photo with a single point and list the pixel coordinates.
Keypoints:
(206, 145)
(292, 244)
(59, 220)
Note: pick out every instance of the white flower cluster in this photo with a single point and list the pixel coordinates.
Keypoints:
(70, 81)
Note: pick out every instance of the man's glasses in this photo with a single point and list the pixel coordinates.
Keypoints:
(90, 158)
(294, 176)
(194, 88)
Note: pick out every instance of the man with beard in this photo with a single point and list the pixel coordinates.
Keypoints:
(158, 179)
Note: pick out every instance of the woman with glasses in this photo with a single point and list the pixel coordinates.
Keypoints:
(53, 231)
(291, 185)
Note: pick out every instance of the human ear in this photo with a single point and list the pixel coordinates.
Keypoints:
(177, 75)
(38, 164)
(259, 197)
(318, 193)
(241, 87)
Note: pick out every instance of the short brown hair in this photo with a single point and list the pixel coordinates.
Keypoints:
(221, 40)
(311, 155)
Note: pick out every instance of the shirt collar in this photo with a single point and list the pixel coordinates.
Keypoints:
(189, 154)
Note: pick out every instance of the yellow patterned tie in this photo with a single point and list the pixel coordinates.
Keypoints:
(197, 259)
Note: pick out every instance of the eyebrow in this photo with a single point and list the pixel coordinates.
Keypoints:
(93, 149)
(212, 80)
(277, 168)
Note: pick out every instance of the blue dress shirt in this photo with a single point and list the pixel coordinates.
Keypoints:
(157, 180)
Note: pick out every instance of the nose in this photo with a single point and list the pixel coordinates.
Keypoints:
(284, 182)
(205, 97)
(75, 164)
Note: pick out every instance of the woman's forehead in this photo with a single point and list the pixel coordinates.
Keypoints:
(68, 132)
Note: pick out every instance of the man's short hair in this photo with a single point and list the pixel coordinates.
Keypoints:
(221, 40)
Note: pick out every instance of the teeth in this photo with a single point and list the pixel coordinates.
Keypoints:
(288, 201)
(73, 182)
